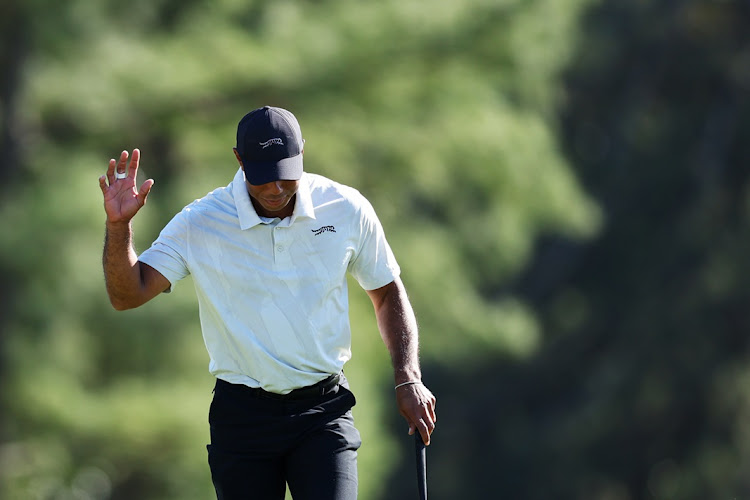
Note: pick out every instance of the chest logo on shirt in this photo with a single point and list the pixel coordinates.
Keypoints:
(323, 229)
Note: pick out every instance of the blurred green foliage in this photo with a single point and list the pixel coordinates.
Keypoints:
(562, 181)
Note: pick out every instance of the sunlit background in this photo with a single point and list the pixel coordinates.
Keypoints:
(564, 183)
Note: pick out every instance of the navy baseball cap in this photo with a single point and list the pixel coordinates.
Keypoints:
(269, 142)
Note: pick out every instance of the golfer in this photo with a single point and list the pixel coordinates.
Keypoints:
(269, 254)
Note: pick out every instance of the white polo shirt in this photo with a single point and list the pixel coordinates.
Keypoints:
(273, 294)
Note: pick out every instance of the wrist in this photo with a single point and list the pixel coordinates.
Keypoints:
(407, 374)
(408, 382)
(117, 224)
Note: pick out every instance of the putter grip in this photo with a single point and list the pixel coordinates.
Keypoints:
(421, 466)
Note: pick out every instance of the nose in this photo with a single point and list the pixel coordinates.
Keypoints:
(276, 187)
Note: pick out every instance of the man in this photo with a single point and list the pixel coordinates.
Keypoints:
(269, 255)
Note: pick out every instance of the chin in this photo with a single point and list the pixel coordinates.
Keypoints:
(277, 208)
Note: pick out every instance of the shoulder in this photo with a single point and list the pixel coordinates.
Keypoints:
(324, 190)
(213, 210)
(219, 200)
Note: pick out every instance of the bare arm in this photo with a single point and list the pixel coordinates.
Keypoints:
(398, 328)
(129, 282)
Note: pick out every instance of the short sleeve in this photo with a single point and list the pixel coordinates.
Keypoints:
(374, 264)
(168, 254)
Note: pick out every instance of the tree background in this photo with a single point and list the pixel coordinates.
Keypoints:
(564, 182)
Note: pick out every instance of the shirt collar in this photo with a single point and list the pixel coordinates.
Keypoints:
(303, 205)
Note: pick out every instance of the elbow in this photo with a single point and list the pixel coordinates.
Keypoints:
(119, 304)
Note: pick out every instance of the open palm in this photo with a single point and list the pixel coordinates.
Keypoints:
(121, 199)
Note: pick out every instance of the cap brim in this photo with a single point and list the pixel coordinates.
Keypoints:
(287, 169)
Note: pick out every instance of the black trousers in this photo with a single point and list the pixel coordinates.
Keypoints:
(260, 442)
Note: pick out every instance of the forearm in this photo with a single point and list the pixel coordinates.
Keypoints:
(122, 272)
(399, 330)
(398, 327)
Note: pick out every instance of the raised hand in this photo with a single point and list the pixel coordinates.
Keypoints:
(121, 199)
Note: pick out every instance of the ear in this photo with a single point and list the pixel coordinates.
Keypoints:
(237, 155)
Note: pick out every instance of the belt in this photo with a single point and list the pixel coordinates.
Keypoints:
(311, 391)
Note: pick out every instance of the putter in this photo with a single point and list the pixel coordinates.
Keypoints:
(421, 465)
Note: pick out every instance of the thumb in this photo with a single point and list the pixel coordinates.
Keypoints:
(144, 191)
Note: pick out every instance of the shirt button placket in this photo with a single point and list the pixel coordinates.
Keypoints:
(281, 254)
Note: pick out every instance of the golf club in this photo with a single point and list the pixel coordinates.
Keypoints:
(421, 465)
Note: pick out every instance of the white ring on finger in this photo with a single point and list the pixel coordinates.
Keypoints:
(120, 175)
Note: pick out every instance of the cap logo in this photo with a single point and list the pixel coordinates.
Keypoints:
(270, 142)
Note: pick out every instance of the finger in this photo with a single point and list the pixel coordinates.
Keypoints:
(134, 161)
(103, 184)
(424, 431)
(111, 171)
(122, 164)
(144, 191)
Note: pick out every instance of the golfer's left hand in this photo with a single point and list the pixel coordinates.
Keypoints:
(417, 405)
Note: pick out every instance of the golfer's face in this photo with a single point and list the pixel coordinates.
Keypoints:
(273, 198)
